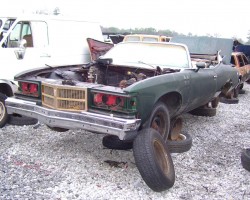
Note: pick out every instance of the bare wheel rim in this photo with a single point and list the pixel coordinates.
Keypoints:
(2, 111)
(158, 123)
(161, 157)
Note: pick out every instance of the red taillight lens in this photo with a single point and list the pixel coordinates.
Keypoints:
(29, 88)
(24, 86)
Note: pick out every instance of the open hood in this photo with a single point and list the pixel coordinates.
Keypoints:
(98, 48)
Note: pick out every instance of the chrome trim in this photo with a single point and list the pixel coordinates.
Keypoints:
(73, 120)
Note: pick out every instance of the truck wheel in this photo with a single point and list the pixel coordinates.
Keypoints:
(207, 112)
(113, 142)
(245, 159)
(3, 112)
(20, 120)
(160, 120)
(57, 129)
(180, 145)
(153, 160)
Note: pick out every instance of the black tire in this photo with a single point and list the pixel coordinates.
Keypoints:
(242, 91)
(215, 102)
(57, 129)
(4, 117)
(154, 160)
(113, 142)
(20, 120)
(229, 101)
(160, 120)
(207, 112)
(245, 159)
(181, 145)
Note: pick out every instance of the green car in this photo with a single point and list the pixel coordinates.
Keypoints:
(135, 94)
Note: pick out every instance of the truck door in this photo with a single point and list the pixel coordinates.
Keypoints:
(22, 47)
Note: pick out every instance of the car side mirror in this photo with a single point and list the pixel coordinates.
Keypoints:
(200, 65)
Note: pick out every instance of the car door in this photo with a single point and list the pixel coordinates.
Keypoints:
(17, 56)
(202, 86)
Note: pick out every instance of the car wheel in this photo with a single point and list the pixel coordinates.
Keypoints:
(57, 129)
(20, 120)
(113, 142)
(208, 112)
(229, 101)
(181, 144)
(153, 160)
(245, 159)
(3, 112)
(160, 120)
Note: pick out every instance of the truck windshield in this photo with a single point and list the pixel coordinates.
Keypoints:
(5, 26)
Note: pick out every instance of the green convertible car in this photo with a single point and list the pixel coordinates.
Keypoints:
(135, 94)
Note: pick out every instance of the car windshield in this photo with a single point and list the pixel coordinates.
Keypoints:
(155, 54)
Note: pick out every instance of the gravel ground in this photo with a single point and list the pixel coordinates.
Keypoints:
(42, 164)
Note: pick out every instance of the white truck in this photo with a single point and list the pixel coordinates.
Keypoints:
(33, 41)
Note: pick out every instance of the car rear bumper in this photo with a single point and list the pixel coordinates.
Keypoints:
(123, 128)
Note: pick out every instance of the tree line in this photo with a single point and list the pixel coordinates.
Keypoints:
(166, 32)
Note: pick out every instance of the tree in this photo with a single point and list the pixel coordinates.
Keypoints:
(248, 37)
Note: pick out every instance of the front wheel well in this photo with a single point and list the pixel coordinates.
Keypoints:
(173, 101)
(6, 89)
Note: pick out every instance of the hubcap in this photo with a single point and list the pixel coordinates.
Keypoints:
(2, 111)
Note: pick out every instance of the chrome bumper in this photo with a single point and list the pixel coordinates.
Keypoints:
(123, 128)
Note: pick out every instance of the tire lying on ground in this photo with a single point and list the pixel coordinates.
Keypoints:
(57, 129)
(3, 112)
(229, 101)
(20, 120)
(113, 142)
(182, 144)
(208, 112)
(154, 160)
(245, 159)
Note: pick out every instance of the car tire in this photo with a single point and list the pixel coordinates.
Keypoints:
(181, 145)
(20, 120)
(113, 142)
(153, 160)
(207, 112)
(229, 101)
(245, 159)
(57, 129)
(4, 117)
(160, 120)
(242, 91)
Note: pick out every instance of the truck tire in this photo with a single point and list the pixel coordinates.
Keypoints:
(20, 120)
(245, 159)
(113, 142)
(153, 160)
(3, 112)
(160, 120)
(207, 112)
(181, 145)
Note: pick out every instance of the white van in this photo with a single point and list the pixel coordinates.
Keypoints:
(31, 41)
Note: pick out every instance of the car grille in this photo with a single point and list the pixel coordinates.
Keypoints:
(60, 97)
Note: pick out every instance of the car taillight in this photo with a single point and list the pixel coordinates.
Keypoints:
(29, 88)
(113, 102)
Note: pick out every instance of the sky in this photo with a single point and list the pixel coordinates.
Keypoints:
(220, 18)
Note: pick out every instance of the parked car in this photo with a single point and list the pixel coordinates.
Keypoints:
(137, 91)
(146, 38)
(240, 61)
